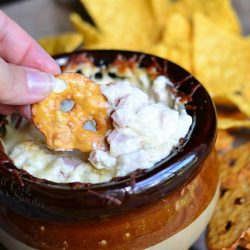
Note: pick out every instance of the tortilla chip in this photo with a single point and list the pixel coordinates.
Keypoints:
(174, 20)
(218, 11)
(240, 96)
(91, 34)
(177, 38)
(231, 221)
(231, 118)
(124, 24)
(221, 62)
(60, 44)
(229, 123)
(172, 54)
(224, 141)
(223, 100)
(176, 43)
(162, 9)
(158, 49)
(177, 28)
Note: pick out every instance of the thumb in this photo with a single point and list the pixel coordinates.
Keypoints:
(21, 86)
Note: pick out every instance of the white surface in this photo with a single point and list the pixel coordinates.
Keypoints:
(12, 244)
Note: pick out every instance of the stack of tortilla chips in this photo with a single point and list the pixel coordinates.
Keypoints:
(204, 37)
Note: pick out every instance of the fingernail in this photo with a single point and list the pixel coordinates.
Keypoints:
(40, 83)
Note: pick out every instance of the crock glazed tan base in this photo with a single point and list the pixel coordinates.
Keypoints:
(146, 227)
(179, 241)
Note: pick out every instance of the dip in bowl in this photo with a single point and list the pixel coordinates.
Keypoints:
(155, 185)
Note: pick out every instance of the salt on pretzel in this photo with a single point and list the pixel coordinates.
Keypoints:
(81, 126)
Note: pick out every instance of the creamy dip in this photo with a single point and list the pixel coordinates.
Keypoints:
(146, 126)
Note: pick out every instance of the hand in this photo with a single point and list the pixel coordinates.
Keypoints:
(26, 70)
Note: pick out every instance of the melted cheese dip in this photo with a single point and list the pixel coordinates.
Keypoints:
(147, 125)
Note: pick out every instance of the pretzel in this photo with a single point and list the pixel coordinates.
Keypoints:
(82, 126)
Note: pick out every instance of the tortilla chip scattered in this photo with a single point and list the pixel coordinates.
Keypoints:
(223, 101)
(176, 43)
(231, 221)
(177, 38)
(124, 24)
(224, 141)
(222, 62)
(162, 9)
(229, 123)
(230, 117)
(90, 33)
(240, 95)
(220, 12)
(160, 27)
(60, 44)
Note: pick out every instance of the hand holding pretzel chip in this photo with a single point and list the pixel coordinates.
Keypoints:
(74, 116)
(25, 69)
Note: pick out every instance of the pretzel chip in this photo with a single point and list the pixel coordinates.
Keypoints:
(74, 115)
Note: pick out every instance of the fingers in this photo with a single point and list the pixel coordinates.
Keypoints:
(22, 86)
(6, 109)
(24, 111)
(17, 47)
